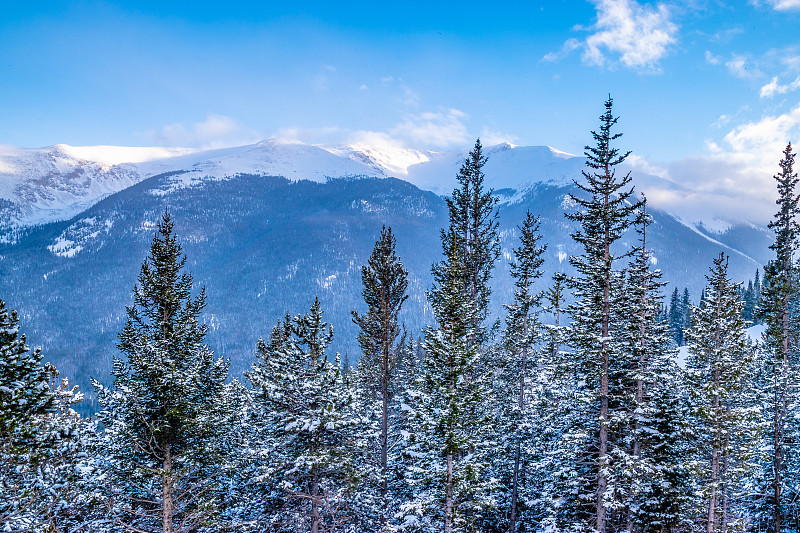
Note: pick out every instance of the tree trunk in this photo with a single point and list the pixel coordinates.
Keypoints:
(512, 526)
(448, 499)
(315, 518)
(167, 492)
(384, 427)
(602, 482)
(711, 526)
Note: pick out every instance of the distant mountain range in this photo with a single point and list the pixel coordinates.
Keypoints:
(267, 227)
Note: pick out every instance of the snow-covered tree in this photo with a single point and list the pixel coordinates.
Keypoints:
(598, 364)
(164, 417)
(449, 442)
(778, 311)
(517, 394)
(648, 462)
(726, 417)
(385, 281)
(42, 444)
(473, 228)
(307, 443)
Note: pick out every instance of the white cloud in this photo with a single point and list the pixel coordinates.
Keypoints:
(773, 87)
(784, 5)
(711, 59)
(329, 134)
(433, 129)
(738, 66)
(639, 34)
(734, 179)
(216, 131)
(491, 137)
(568, 46)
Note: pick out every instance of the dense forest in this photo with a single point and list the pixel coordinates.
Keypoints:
(592, 406)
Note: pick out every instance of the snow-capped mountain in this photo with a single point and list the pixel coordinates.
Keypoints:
(55, 183)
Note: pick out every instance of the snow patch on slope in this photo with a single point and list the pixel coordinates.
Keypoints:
(79, 235)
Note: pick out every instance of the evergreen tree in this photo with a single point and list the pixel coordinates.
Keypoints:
(686, 305)
(40, 438)
(449, 444)
(676, 317)
(603, 216)
(664, 496)
(25, 395)
(164, 415)
(385, 281)
(726, 419)
(473, 228)
(516, 432)
(306, 443)
(779, 295)
(643, 466)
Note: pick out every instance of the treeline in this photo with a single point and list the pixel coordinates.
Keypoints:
(573, 414)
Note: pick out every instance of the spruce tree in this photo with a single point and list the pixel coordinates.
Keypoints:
(449, 444)
(385, 281)
(676, 317)
(719, 367)
(516, 433)
(645, 342)
(165, 415)
(25, 398)
(778, 298)
(603, 215)
(306, 439)
(473, 228)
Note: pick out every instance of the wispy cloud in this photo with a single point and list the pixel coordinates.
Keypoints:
(626, 32)
(773, 87)
(711, 59)
(216, 131)
(741, 67)
(781, 5)
(433, 128)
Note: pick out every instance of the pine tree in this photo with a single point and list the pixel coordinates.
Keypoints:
(449, 443)
(665, 495)
(676, 317)
(779, 295)
(646, 344)
(164, 415)
(25, 400)
(687, 311)
(307, 438)
(719, 365)
(516, 376)
(603, 218)
(385, 281)
(473, 228)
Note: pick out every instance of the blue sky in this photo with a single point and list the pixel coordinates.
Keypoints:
(698, 82)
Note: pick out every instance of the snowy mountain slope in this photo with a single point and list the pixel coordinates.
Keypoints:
(58, 182)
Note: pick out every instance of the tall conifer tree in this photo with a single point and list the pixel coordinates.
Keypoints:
(523, 335)
(306, 430)
(473, 228)
(165, 413)
(450, 443)
(603, 215)
(719, 366)
(385, 281)
(778, 300)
